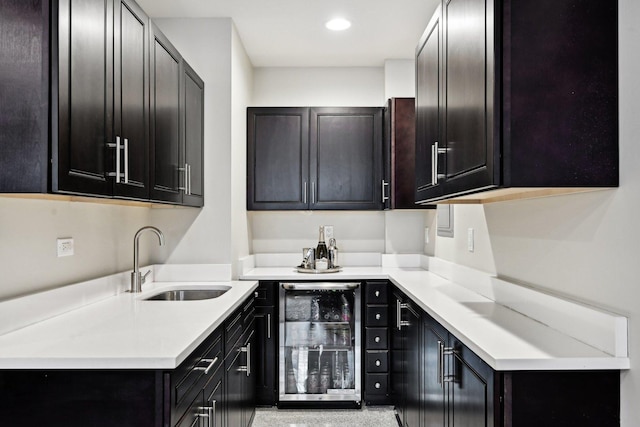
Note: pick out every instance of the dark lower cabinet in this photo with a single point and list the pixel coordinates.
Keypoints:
(376, 346)
(266, 361)
(455, 388)
(406, 347)
(240, 381)
(206, 390)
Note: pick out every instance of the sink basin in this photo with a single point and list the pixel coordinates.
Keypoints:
(189, 294)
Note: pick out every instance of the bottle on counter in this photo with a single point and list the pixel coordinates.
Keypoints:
(322, 254)
(333, 254)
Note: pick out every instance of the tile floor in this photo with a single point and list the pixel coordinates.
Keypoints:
(366, 417)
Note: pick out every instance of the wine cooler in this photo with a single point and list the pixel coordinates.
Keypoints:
(320, 344)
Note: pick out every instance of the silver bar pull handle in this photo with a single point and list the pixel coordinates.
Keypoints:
(398, 314)
(384, 197)
(211, 362)
(313, 192)
(249, 359)
(184, 169)
(434, 163)
(126, 160)
(268, 325)
(304, 192)
(440, 364)
(189, 181)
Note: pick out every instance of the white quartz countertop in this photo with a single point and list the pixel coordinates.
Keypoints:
(504, 338)
(123, 331)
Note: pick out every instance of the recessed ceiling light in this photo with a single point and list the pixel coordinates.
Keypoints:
(338, 24)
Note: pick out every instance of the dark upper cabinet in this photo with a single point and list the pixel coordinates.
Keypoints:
(428, 109)
(400, 154)
(165, 119)
(86, 64)
(277, 158)
(84, 83)
(192, 164)
(103, 99)
(345, 158)
(131, 99)
(505, 102)
(314, 158)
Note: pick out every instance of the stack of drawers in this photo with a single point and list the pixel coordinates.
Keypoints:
(376, 364)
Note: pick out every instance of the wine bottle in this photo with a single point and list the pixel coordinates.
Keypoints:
(322, 254)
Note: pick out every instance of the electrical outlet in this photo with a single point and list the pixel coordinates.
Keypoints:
(470, 242)
(65, 247)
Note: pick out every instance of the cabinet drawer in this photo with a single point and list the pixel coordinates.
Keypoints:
(188, 379)
(265, 295)
(376, 383)
(232, 330)
(377, 315)
(376, 292)
(377, 361)
(376, 338)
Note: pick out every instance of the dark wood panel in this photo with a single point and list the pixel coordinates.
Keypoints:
(24, 91)
(165, 119)
(428, 108)
(346, 158)
(193, 116)
(131, 97)
(435, 396)
(265, 360)
(85, 67)
(555, 399)
(80, 397)
(466, 91)
(563, 115)
(278, 158)
(471, 392)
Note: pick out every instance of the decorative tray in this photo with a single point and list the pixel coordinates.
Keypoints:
(314, 271)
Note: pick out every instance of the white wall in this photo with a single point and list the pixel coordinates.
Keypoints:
(206, 46)
(318, 87)
(241, 90)
(584, 246)
(103, 240)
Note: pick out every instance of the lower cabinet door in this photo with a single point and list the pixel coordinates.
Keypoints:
(214, 401)
(265, 363)
(471, 394)
(193, 417)
(435, 339)
(234, 379)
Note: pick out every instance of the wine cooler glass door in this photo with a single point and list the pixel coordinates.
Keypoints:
(320, 342)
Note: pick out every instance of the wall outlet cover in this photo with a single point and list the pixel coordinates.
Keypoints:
(65, 246)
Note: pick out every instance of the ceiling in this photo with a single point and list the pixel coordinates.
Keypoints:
(291, 33)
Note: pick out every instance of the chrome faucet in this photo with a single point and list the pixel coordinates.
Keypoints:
(137, 279)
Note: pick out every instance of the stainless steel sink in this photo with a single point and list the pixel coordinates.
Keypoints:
(189, 294)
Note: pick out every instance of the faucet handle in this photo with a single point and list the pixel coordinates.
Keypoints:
(144, 276)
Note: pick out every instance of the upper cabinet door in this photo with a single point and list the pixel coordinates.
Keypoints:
(165, 119)
(429, 110)
(84, 86)
(468, 147)
(131, 99)
(346, 168)
(278, 158)
(192, 115)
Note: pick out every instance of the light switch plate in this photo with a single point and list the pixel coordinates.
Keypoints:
(470, 242)
(65, 246)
